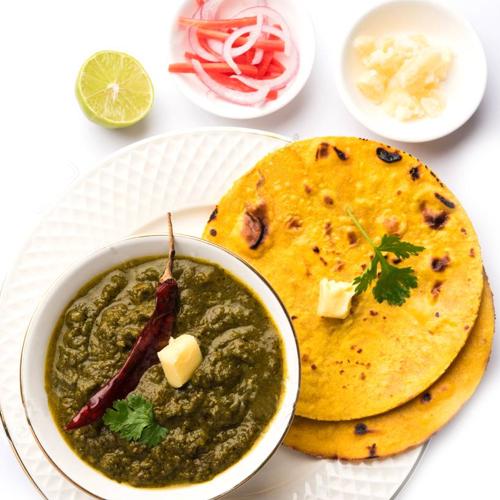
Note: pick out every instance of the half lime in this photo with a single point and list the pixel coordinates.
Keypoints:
(114, 89)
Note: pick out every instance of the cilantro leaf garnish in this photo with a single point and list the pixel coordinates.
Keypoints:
(394, 283)
(153, 435)
(133, 419)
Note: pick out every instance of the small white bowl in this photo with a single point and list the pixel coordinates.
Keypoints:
(302, 31)
(35, 351)
(463, 89)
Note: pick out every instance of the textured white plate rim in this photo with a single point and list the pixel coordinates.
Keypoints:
(403, 136)
(119, 152)
(187, 206)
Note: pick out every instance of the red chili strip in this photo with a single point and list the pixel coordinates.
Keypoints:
(246, 69)
(218, 24)
(265, 63)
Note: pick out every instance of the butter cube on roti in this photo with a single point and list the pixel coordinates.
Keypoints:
(335, 298)
(179, 359)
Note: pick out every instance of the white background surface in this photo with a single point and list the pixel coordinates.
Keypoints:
(47, 143)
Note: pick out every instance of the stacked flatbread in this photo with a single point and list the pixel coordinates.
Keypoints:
(386, 377)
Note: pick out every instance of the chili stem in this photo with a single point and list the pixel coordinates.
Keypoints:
(168, 274)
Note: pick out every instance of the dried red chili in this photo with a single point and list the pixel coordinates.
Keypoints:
(154, 336)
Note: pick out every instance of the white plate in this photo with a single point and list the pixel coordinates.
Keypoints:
(463, 89)
(127, 194)
(301, 28)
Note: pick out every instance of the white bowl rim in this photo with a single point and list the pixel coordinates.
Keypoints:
(359, 115)
(240, 112)
(287, 353)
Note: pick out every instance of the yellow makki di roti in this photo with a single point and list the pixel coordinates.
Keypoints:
(412, 423)
(288, 218)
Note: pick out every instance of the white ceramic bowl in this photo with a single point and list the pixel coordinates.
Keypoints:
(35, 351)
(463, 89)
(301, 28)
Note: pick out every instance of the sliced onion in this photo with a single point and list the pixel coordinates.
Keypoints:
(244, 98)
(216, 46)
(274, 83)
(229, 52)
(275, 17)
(198, 49)
(258, 56)
(210, 8)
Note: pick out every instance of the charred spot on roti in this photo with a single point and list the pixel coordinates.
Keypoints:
(255, 225)
(293, 317)
(323, 150)
(261, 180)
(213, 215)
(351, 237)
(315, 249)
(392, 225)
(328, 228)
(325, 263)
(435, 177)
(213, 232)
(313, 367)
(444, 201)
(372, 450)
(388, 156)
(293, 222)
(307, 189)
(360, 429)
(435, 220)
(426, 397)
(396, 261)
(339, 266)
(342, 156)
(436, 289)
(327, 198)
(472, 253)
(439, 264)
(414, 173)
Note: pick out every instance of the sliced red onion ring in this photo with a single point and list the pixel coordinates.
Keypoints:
(209, 9)
(216, 46)
(278, 82)
(197, 48)
(258, 56)
(274, 17)
(244, 98)
(254, 33)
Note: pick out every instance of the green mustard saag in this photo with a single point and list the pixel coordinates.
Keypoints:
(215, 418)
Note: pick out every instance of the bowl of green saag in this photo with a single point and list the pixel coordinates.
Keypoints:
(118, 419)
